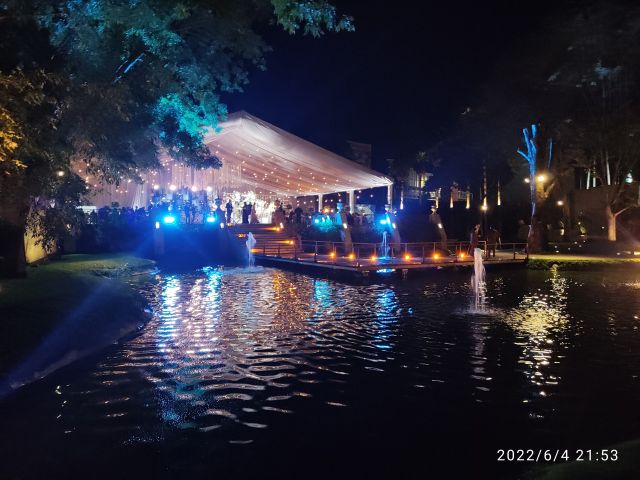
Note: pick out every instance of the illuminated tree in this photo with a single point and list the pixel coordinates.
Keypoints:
(117, 81)
(600, 71)
(538, 152)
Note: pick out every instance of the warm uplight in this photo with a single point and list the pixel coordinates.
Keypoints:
(407, 256)
(560, 203)
(351, 256)
(526, 180)
(541, 178)
(436, 256)
(484, 208)
(60, 173)
(332, 254)
(462, 255)
(373, 258)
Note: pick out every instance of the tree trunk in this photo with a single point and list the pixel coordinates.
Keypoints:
(611, 224)
(13, 219)
(537, 240)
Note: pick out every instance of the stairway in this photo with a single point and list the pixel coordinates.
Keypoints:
(276, 240)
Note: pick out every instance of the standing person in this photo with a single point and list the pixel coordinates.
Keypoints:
(298, 211)
(187, 213)
(523, 231)
(245, 213)
(254, 216)
(493, 239)
(220, 214)
(475, 239)
(229, 207)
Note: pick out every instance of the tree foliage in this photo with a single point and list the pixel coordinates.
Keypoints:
(574, 82)
(106, 83)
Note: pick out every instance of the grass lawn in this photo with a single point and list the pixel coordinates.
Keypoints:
(66, 304)
(580, 262)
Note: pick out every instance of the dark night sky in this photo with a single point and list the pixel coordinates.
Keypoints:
(398, 82)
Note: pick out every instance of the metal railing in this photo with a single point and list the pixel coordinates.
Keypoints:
(394, 253)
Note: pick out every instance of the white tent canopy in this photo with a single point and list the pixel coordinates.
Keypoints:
(257, 157)
(277, 161)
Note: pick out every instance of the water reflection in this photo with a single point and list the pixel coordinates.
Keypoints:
(223, 340)
(233, 356)
(540, 321)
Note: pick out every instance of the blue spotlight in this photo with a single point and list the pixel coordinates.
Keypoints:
(383, 221)
(169, 219)
(316, 220)
(211, 219)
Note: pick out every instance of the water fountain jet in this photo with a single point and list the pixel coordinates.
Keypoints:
(478, 279)
(251, 242)
(384, 246)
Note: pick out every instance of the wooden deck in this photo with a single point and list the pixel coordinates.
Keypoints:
(333, 261)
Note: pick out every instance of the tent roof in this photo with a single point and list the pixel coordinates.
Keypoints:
(267, 157)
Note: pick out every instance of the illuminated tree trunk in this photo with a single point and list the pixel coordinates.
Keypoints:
(536, 158)
(536, 240)
(13, 219)
(611, 224)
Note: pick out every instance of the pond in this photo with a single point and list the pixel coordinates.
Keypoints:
(265, 373)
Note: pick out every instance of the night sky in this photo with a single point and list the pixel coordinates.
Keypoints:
(399, 81)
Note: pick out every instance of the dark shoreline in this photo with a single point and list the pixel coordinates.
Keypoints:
(65, 310)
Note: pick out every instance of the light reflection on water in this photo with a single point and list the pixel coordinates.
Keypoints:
(232, 354)
(540, 321)
(221, 340)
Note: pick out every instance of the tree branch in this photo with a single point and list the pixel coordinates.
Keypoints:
(524, 155)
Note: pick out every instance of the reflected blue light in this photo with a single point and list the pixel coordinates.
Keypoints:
(385, 270)
(322, 295)
(169, 219)
(386, 316)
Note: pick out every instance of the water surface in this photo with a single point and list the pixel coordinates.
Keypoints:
(258, 374)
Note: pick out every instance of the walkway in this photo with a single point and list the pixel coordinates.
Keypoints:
(363, 258)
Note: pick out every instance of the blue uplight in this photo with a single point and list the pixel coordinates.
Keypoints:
(316, 220)
(169, 219)
(211, 219)
(383, 221)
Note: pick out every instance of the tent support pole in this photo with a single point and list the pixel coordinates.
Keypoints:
(352, 201)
